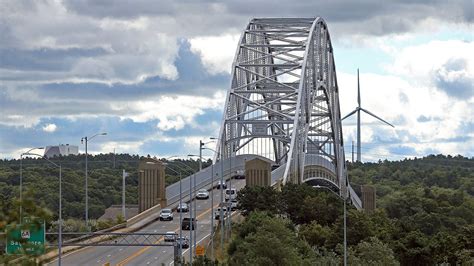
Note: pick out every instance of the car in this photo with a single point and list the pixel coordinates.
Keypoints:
(233, 204)
(221, 184)
(170, 236)
(230, 194)
(183, 207)
(188, 223)
(202, 194)
(275, 166)
(225, 209)
(183, 242)
(166, 215)
(239, 174)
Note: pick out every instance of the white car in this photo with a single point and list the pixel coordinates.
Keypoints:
(170, 236)
(221, 185)
(183, 207)
(202, 194)
(166, 215)
(230, 194)
(233, 204)
(217, 212)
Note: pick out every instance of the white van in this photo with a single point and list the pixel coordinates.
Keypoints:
(230, 194)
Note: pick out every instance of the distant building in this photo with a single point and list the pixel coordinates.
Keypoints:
(61, 150)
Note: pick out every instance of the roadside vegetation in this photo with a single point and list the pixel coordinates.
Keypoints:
(424, 216)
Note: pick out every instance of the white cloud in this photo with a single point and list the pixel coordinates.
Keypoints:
(217, 52)
(171, 112)
(49, 128)
(419, 62)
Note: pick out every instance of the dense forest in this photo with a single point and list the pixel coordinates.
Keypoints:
(40, 182)
(424, 216)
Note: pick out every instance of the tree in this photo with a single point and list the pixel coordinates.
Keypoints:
(371, 252)
(267, 240)
(258, 198)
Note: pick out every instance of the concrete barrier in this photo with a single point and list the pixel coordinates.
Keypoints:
(144, 217)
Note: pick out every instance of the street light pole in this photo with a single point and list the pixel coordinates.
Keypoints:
(220, 155)
(344, 198)
(345, 232)
(212, 205)
(21, 181)
(124, 175)
(60, 233)
(87, 139)
(180, 202)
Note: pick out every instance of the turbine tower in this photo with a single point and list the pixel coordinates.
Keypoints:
(358, 109)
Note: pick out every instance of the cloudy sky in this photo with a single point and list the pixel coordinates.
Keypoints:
(153, 74)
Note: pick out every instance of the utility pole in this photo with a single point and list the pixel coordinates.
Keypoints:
(87, 139)
(352, 151)
(124, 174)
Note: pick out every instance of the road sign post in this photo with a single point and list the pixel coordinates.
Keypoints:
(27, 238)
(200, 250)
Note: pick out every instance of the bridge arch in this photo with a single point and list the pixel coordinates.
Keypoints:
(283, 101)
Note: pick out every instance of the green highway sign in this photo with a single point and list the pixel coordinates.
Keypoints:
(27, 238)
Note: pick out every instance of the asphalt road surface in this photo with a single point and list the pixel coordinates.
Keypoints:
(150, 255)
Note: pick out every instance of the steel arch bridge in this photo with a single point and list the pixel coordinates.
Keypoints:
(283, 103)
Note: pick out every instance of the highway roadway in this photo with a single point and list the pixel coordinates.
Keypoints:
(150, 255)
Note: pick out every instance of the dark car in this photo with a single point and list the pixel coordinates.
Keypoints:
(239, 174)
(183, 241)
(188, 223)
(183, 207)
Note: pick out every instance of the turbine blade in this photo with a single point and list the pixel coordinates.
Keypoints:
(377, 117)
(358, 88)
(351, 113)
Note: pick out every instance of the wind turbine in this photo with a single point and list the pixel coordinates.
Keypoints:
(358, 109)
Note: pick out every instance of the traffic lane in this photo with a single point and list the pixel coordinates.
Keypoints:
(202, 205)
(165, 254)
(100, 255)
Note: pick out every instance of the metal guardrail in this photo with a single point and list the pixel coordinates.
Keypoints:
(115, 239)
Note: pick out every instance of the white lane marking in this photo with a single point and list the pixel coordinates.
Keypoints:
(120, 249)
(108, 256)
(98, 261)
(148, 263)
(155, 258)
(164, 251)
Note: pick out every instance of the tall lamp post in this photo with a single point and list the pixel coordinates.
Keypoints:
(212, 204)
(60, 233)
(345, 220)
(190, 208)
(21, 180)
(220, 155)
(180, 213)
(87, 139)
(195, 206)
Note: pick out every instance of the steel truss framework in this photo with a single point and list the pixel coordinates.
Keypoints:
(283, 103)
(114, 239)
